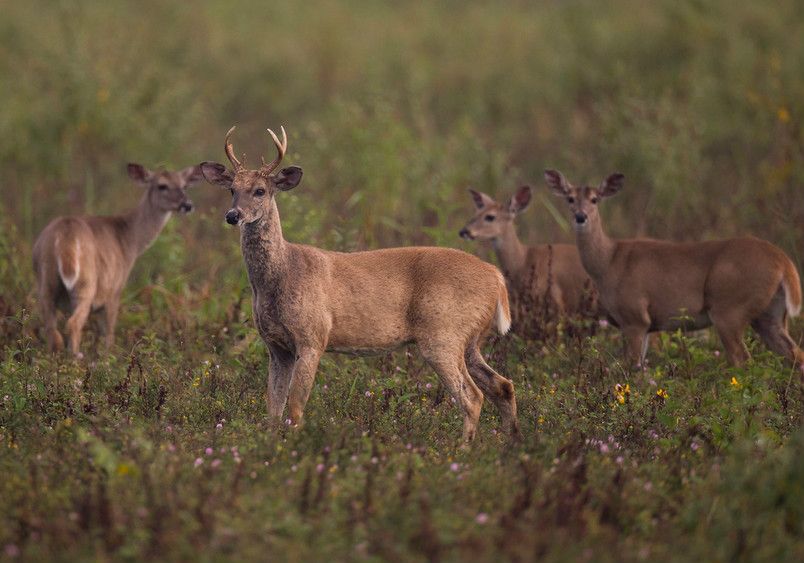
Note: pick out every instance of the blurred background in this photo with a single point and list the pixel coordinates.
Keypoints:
(393, 109)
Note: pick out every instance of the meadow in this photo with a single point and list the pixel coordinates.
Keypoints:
(161, 450)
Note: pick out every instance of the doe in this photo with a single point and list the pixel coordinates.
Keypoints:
(307, 300)
(83, 263)
(656, 285)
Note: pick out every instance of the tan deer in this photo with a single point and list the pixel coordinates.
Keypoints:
(551, 272)
(82, 263)
(307, 301)
(655, 285)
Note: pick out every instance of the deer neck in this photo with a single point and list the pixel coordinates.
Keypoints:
(264, 248)
(596, 249)
(142, 225)
(511, 253)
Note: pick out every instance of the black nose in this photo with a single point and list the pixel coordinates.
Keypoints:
(186, 206)
(464, 233)
(232, 216)
(580, 218)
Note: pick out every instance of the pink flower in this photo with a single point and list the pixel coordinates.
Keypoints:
(428, 386)
(171, 447)
(215, 463)
(198, 462)
(454, 467)
(604, 448)
(603, 323)
(717, 353)
(320, 468)
(208, 451)
(369, 393)
(482, 518)
(219, 426)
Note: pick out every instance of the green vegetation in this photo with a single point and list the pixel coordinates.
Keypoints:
(393, 109)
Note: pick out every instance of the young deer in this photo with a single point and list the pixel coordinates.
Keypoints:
(538, 272)
(82, 263)
(307, 301)
(654, 285)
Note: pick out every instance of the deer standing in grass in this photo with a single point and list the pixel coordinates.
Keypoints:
(655, 285)
(551, 272)
(83, 263)
(307, 301)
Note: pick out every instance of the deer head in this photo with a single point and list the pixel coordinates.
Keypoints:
(167, 190)
(583, 201)
(252, 191)
(492, 218)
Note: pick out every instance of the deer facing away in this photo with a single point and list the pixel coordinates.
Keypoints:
(83, 263)
(654, 285)
(551, 272)
(307, 300)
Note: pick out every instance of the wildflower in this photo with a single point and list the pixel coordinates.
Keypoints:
(734, 383)
(717, 353)
(369, 393)
(619, 460)
(622, 392)
(604, 448)
(482, 518)
(198, 462)
(171, 447)
(603, 323)
(294, 468)
(215, 463)
(694, 446)
(218, 426)
(540, 420)
(661, 393)
(428, 386)
(783, 115)
(208, 451)
(454, 467)
(320, 468)
(253, 474)
(374, 460)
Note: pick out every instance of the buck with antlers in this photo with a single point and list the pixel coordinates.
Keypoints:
(549, 273)
(83, 263)
(654, 285)
(307, 301)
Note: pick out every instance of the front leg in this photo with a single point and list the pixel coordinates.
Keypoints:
(280, 372)
(307, 359)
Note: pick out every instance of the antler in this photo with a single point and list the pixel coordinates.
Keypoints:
(281, 149)
(230, 151)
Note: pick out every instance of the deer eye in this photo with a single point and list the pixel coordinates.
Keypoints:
(259, 192)
(489, 218)
(162, 187)
(571, 199)
(594, 200)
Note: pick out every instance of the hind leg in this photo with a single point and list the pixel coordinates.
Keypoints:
(47, 308)
(495, 388)
(82, 305)
(771, 326)
(449, 364)
(731, 328)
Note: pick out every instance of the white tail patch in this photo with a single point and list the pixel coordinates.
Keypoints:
(793, 309)
(69, 281)
(503, 319)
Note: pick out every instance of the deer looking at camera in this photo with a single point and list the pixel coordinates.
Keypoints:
(544, 273)
(307, 301)
(82, 263)
(654, 285)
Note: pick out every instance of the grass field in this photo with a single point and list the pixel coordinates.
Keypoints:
(162, 450)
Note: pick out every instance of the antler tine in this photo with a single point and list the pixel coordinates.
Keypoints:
(230, 151)
(281, 149)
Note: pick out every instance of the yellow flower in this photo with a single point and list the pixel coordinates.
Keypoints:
(540, 420)
(661, 393)
(734, 383)
(783, 115)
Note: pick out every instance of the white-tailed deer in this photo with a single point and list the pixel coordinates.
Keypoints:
(307, 300)
(654, 285)
(544, 273)
(82, 263)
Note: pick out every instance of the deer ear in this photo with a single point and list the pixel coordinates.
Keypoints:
(217, 174)
(481, 200)
(557, 182)
(520, 199)
(139, 173)
(288, 178)
(611, 185)
(191, 175)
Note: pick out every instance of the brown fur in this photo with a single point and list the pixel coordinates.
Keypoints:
(653, 285)
(82, 263)
(308, 301)
(559, 274)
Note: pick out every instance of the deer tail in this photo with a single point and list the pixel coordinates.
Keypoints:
(503, 308)
(68, 253)
(792, 289)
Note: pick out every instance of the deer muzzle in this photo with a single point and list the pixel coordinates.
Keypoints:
(465, 234)
(185, 206)
(233, 216)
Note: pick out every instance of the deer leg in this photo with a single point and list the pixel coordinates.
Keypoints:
(76, 322)
(635, 340)
(453, 372)
(280, 372)
(771, 326)
(110, 321)
(302, 382)
(495, 388)
(731, 330)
